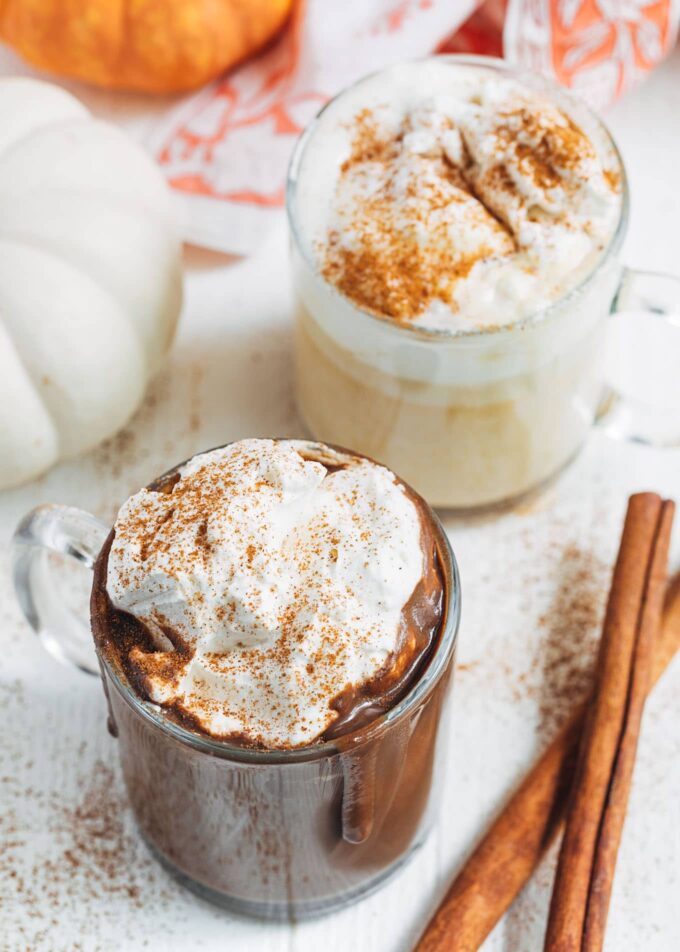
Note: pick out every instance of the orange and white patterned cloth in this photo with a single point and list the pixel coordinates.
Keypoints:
(226, 148)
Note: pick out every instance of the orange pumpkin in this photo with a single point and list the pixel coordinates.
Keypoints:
(158, 46)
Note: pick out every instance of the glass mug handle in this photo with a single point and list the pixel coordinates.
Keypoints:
(65, 531)
(641, 402)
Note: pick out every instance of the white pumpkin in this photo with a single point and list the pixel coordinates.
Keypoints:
(90, 277)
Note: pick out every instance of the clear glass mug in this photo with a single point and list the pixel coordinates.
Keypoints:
(477, 418)
(274, 834)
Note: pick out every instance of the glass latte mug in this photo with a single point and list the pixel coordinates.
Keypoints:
(277, 834)
(476, 417)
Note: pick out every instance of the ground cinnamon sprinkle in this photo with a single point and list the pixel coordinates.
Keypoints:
(613, 179)
(402, 288)
(569, 643)
(129, 451)
(89, 855)
(416, 213)
(401, 258)
(547, 667)
(368, 144)
(556, 146)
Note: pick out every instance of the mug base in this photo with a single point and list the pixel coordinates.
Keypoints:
(290, 911)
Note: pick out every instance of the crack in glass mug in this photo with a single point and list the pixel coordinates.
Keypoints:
(281, 834)
(477, 418)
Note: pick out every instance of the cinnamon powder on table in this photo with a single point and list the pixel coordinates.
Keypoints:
(89, 860)
(558, 590)
(570, 636)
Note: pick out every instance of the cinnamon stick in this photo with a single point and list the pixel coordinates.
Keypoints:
(600, 788)
(609, 837)
(503, 861)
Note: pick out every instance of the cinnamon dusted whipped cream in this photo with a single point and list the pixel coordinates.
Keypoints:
(282, 588)
(451, 197)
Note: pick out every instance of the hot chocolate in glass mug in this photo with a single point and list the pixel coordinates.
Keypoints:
(456, 237)
(275, 624)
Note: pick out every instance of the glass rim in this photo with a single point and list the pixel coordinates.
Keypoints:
(435, 669)
(499, 65)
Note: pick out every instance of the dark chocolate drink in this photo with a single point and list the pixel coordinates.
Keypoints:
(275, 622)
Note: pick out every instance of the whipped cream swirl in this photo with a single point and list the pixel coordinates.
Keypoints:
(457, 197)
(271, 576)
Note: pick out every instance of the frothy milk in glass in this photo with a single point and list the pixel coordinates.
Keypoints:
(455, 251)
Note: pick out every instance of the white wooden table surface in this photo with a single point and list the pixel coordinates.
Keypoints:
(534, 587)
